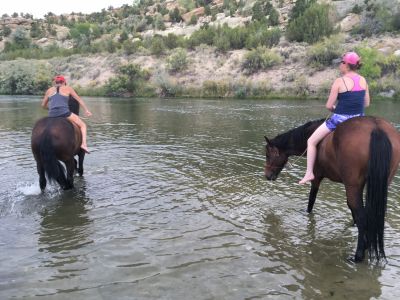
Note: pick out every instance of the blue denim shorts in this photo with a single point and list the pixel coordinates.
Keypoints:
(336, 119)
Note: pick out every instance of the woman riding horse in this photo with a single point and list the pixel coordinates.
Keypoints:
(352, 96)
(355, 150)
(58, 138)
(56, 101)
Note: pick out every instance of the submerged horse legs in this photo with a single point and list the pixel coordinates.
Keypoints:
(42, 176)
(355, 203)
(313, 193)
(70, 165)
(81, 156)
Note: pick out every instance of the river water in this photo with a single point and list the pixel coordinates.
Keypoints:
(173, 205)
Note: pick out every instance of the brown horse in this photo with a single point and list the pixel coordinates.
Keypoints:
(54, 140)
(361, 151)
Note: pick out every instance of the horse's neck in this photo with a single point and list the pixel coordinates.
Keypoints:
(299, 149)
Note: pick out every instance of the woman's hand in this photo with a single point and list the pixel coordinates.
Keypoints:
(88, 113)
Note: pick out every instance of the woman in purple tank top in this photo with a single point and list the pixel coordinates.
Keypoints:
(348, 97)
(56, 101)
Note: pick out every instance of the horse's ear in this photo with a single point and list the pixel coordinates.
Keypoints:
(267, 140)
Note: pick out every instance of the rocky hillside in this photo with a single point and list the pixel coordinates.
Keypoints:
(205, 48)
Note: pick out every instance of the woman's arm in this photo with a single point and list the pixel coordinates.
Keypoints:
(330, 104)
(45, 100)
(79, 99)
(367, 99)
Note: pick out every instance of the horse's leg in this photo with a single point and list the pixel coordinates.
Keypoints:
(42, 176)
(313, 193)
(81, 156)
(355, 203)
(70, 164)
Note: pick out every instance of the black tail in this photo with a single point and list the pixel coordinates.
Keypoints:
(380, 155)
(53, 168)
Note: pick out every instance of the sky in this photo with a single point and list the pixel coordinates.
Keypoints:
(38, 8)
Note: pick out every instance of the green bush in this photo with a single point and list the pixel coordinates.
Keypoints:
(218, 89)
(193, 20)
(378, 18)
(222, 42)
(370, 59)
(263, 37)
(260, 59)
(20, 40)
(175, 15)
(178, 61)
(299, 8)
(129, 81)
(25, 77)
(312, 25)
(321, 54)
(264, 11)
(157, 46)
(166, 86)
(6, 31)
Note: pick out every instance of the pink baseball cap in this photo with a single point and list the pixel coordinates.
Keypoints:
(351, 58)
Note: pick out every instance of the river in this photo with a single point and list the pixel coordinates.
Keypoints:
(173, 205)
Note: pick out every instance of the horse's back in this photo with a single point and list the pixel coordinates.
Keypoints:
(64, 134)
(348, 147)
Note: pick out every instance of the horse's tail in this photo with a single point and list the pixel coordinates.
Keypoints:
(52, 167)
(380, 155)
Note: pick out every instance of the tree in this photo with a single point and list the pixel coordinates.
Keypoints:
(175, 15)
(264, 11)
(21, 39)
(36, 30)
(300, 7)
(312, 25)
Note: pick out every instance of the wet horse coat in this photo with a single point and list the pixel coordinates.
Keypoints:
(363, 151)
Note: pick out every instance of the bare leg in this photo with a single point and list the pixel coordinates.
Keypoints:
(82, 126)
(321, 132)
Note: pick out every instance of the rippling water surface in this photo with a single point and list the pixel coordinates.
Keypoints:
(173, 205)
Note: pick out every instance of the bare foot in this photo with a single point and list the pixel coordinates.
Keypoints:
(307, 178)
(84, 148)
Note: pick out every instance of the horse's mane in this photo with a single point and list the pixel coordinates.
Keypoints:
(296, 136)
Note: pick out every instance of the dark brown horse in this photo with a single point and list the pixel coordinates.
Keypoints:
(54, 140)
(361, 151)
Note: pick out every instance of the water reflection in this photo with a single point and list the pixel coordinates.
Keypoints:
(65, 231)
(318, 264)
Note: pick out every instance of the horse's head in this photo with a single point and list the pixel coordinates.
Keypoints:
(275, 160)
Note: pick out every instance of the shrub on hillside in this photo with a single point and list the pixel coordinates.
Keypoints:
(20, 40)
(314, 24)
(378, 18)
(25, 77)
(175, 15)
(264, 11)
(157, 46)
(263, 37)
(322, 53)
(260, 59)
(370, 59)
(129, 81)
(178, 61)
(299, 8)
